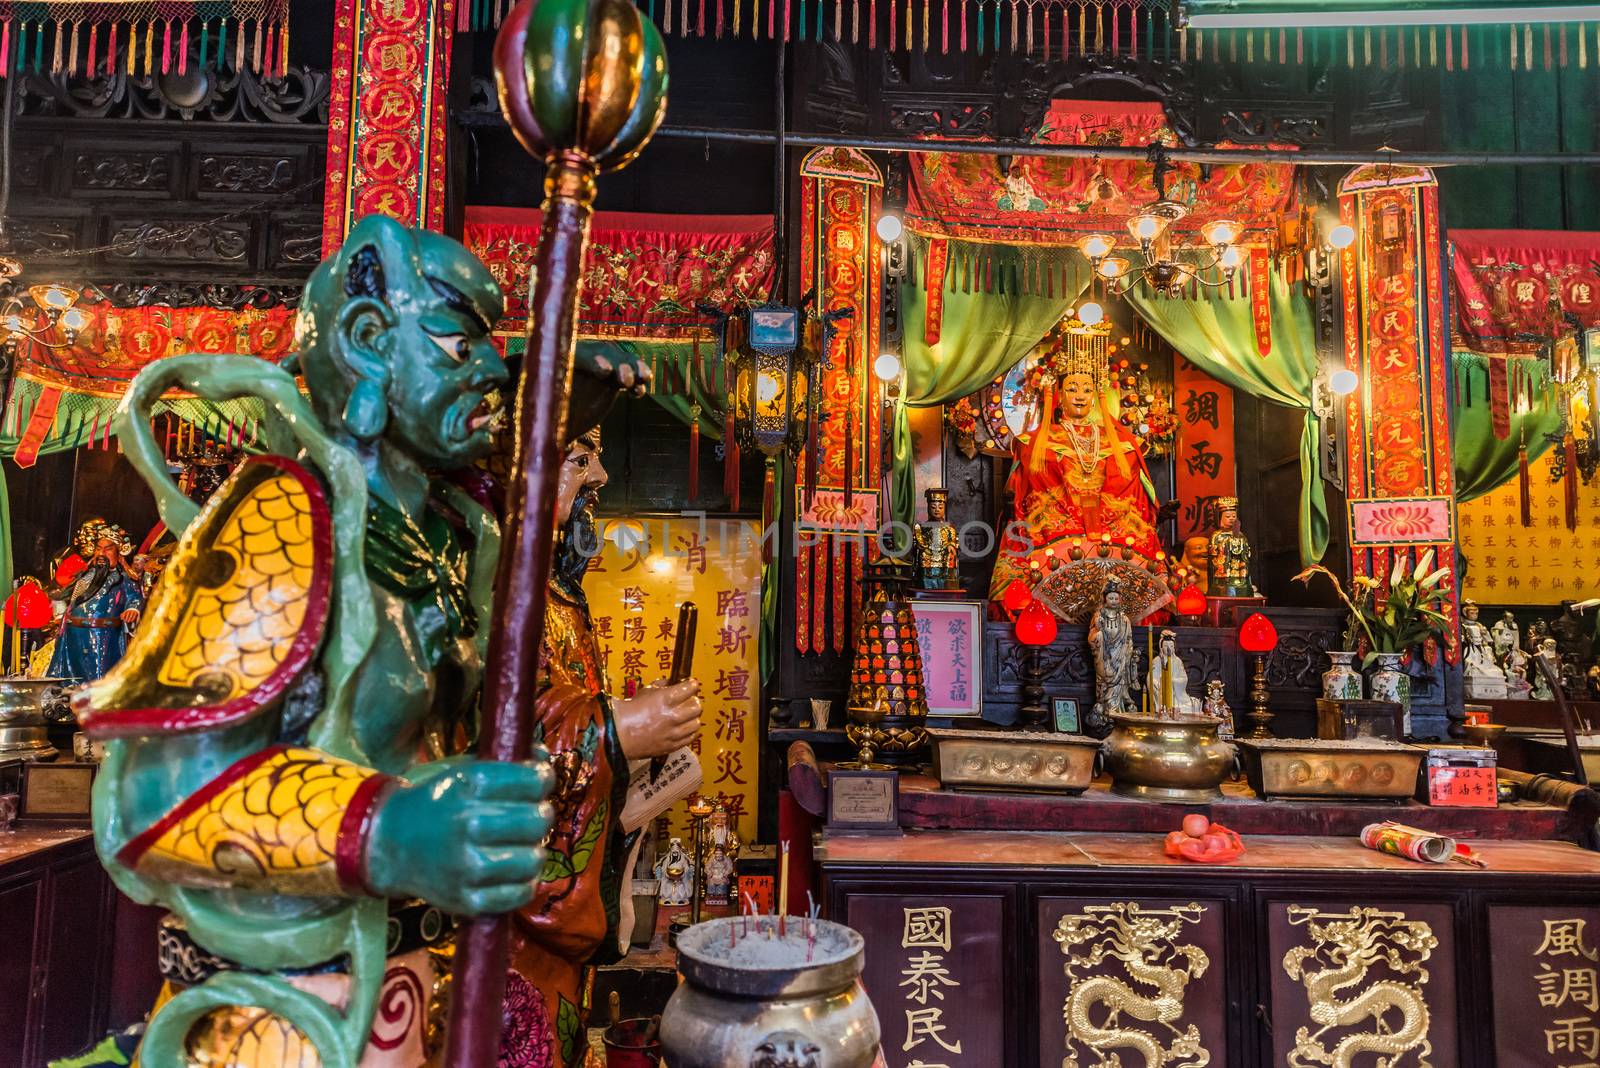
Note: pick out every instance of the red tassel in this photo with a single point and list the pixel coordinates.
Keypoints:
(463, 16)
(111, 51)
(769, 497)
(694, 452)
(1569, 447)
(183, 49)
(872, 26)
(5, 46)
(730, 463)
(1522, 485)
(166, 47)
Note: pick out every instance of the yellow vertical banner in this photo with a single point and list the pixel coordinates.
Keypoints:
(644, 570)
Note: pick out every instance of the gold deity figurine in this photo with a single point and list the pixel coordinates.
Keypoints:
(938, 546)
(1230, 554)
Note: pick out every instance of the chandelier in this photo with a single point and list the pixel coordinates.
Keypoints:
(1168, 267)
(46, 315)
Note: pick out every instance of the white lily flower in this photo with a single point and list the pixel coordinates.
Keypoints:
(1428, 582)
(1398, 572)
(1423, 565)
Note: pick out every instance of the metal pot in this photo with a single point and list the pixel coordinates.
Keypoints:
(759, 1003)
(1179, 759)
(22, 730)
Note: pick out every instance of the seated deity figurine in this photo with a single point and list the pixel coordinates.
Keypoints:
(1080, 475)
(1484, 678)
(316, 643)
(1167, 681)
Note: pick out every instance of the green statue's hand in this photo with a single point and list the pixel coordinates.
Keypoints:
(468, 840)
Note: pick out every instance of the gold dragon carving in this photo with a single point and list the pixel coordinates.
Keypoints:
(1146, 944)
(1351, 944)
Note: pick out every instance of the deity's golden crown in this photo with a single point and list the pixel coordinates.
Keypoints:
(1073, 348)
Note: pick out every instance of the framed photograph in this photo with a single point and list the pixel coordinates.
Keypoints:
(1066, 715)
(57, 791)
(950, 635)
(864, 801)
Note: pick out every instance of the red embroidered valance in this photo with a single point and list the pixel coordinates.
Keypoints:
(644, 275)
(1054, 201)
(1515, 291)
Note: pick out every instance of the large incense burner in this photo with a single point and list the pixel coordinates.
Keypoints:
(22, 731)
(1178, 759)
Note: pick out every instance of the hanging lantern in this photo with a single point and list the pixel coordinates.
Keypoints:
(769, 383)
(29, 607)
(1016, 597)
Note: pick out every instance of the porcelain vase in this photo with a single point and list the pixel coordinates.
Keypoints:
(1388, 683)
(1341, 682)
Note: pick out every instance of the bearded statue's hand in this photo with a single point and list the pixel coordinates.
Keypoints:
(658, 720)
(467, 840)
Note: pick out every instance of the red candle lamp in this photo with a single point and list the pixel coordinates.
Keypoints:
(1016, 597)
(1035, 628)
(1259, 637)
(1191, 605)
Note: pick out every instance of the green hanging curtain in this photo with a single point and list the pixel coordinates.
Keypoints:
(982, 333)
(997, 306)
(1483, 461)
(1217, 335)
(674, 366)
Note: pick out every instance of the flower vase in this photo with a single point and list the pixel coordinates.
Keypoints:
(1389, 683)
(1341, 682)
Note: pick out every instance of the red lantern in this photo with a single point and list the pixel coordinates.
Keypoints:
(1258, 635)
(1191, 601)
(1016, 597)
(1036, 625)
(32, 605)
(71, 567)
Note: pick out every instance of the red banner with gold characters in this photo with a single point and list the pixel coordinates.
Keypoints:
(386, 123)
(645, 570)
(644, 276)
(1395, 339)
(839, 488)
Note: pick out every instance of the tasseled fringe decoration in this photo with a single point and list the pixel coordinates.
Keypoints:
(694, 452)
(730, 462)
(1569, 478)
(1524, 498)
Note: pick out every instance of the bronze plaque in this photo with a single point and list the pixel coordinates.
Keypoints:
(1362, 984)
(934, 972)
(864, 801)
(58, 791)
(1545, 971)
(1139, 981)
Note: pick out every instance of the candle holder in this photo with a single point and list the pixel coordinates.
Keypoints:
(1258, 636)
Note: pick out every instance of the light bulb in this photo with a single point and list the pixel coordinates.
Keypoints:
(1091, 313)
(57, 299)
(1114, 267)
(1231, 258)
(1222, 233)
(1342, 236)
(14, 323)
(74, 319)
(1146, 227)
(1343, 382)
(886, 367)
(889, 228)
(766, 388)
(1096, 246)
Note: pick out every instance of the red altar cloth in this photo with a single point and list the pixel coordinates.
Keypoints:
(643, 274)
(1512, 290)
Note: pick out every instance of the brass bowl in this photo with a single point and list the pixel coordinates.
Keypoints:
(1179, 759)
(1484, 734)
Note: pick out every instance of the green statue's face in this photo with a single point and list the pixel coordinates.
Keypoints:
(444, 388)
(394, 339)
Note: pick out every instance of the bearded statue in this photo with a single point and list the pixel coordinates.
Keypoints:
(316, 643)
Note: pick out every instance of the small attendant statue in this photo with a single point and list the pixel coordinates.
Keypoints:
(676, 874)
(1111, 638)
(1230, 553)
(1517, 685)
(1216, 706)
(1506, 636)
(1484, 679)
(1168, 681)
(722, 846)
(1541, 687)
(938, 546)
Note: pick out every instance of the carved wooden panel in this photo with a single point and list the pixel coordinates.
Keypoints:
(1140, 980)
(248, 174)
(936, 973)
(179, 241)
(1545, 970)
(1362, 982)
(122, 170)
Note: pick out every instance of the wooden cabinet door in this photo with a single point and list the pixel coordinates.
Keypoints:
(19, 928)
(74, 980)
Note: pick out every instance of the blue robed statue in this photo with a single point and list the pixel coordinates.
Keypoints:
(103, 604)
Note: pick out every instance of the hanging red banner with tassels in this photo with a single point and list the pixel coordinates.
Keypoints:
(1261, 298)
(144, 37)
(938, 255)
